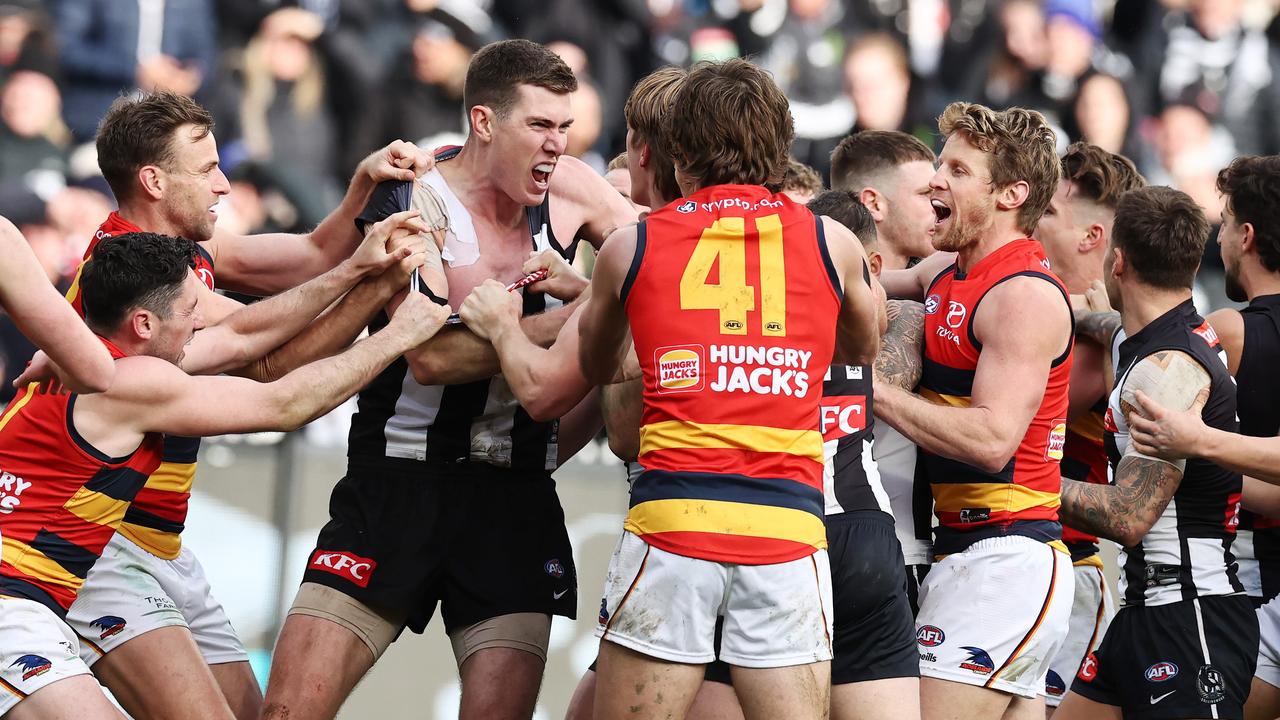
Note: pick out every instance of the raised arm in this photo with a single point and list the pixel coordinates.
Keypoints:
(912, 283)
(858, 328)
(1023, 325)
(49, 321)
(268, 264)
(1144, 483)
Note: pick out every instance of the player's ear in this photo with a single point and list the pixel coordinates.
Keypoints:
(1095, 236)
(142, 323)
(482, 119)
(152, 181)
(876, 260)
(1013, 195)
(874, 202)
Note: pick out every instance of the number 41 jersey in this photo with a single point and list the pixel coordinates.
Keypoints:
(733, 302)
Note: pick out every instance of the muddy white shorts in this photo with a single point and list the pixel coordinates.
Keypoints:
(995, 614)
(129, 592)
(1091, 613)
(1268, 669)
(665, 606)
(36, 649)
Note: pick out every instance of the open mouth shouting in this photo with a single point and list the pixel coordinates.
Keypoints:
(941, 211)
(542, 175)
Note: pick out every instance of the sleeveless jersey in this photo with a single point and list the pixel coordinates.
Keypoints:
(1023, 497)
(910, 501)
(851, 478)
(1187, 552)
(61, 499)
(733, 315)
(157, 516)
(1084, 458)
(1257, 545)
(480, 421)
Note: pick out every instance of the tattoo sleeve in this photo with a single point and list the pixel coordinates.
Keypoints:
(1098, 326)
(1123, 512)
(899, 361)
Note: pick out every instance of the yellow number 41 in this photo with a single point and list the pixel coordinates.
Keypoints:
(725, 242)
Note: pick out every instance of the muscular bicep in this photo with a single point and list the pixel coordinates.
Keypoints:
(1170, 377)
(158, 397)
(266, 264)
(603, 208)
(900, 361)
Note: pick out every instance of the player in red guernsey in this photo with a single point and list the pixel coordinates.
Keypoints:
(990, 422)
(737, 300)
(78, 460)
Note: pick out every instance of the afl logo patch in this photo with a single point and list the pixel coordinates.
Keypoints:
(931, 304)
(554, 568)
(930, 636)
(679, 368)
(1161, 672)
(687, 207)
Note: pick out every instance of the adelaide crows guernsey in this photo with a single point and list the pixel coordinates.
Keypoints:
(63, 498)
(1023, 497)
(733, 302)
(157, 516)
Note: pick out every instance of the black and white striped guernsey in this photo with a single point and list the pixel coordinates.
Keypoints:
(479, 421)
(851, 480)
(1187, 552)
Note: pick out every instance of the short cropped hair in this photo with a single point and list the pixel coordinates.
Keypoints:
(647, 112)
(1251, 185)
(1100, 176)
(860, 157)
(498, 69)
(731, 124)
(1022, 147)
(137, 130)
(133, 270)
(1162, 233)
(844, 207)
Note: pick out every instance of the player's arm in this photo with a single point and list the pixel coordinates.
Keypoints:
(578, 427)
(270, 263)
(47, 319)
(547, 381)
(602, 329)
(603, 208)
(858, 327)
(254, 330)
(622, 405)
(159, 397)
(1143, 484)
(900, 360)
(1228, 323)
(1163, 431)
(1023, 326)
(1088, 377)
(1260, 497)
(1100, 327)
(912, 283)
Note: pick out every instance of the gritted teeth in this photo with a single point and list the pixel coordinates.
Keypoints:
(545, 167)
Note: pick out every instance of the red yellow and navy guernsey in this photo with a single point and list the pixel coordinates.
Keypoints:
(1085, 459)
(156, 519)
(1024, 496)
(733, 302)
(65, 499)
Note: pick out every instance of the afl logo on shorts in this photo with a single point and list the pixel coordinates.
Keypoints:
(679, 368)
(1057, 440)
(930, 636)
(554, 568)
(955, 314)
(687, 207)
(1161, 672)
(931, 304)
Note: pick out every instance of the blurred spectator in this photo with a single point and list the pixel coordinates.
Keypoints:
(26, 38)
(1073, 37)
(1207, 56)
(33, 139)
(1102, 115)
(112, 45)
(427, 82)
(1022, 52)
(587, 123)
(879, 82)
(1190, 150)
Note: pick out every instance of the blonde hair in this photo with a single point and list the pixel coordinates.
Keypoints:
(1021, 146)
(260, 91)
(647, 112)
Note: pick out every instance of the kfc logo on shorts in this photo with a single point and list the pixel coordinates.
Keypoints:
(352, 567)
(843, 415)
(955, 314)
(1161, 672)
(687, 207)
(1088, 668)
(679, 368)
(930, 636)
(1057, 440)
(931, 304)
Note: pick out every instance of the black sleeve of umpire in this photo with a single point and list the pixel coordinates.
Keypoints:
(388, 198)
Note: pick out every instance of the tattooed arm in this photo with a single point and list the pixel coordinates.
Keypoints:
(899, 361)
(1123, 512)
(1100, 327)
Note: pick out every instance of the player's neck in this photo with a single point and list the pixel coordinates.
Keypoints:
(1142, 304)
(996, 236)
(149, 217)
(1079, 276)
(893, 260)
(1258, 281)
(470, 179)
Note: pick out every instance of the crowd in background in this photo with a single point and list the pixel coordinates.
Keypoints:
(301, 90)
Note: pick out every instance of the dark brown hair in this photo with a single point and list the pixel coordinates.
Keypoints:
(499, 68)
(647, 112)
(860, 157)
(137, 130)
(1022, 147)
(1162, 233)
(730, 123)
(844, 207)
(1251, 185)
(1101, 176)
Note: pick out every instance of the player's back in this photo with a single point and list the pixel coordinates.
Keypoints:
(733, 302)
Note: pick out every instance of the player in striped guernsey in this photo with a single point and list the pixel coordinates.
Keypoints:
(726, 518)
(1184, 644)
(1075, 231)
(158, 153)
(78, 460)
(448, 498)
